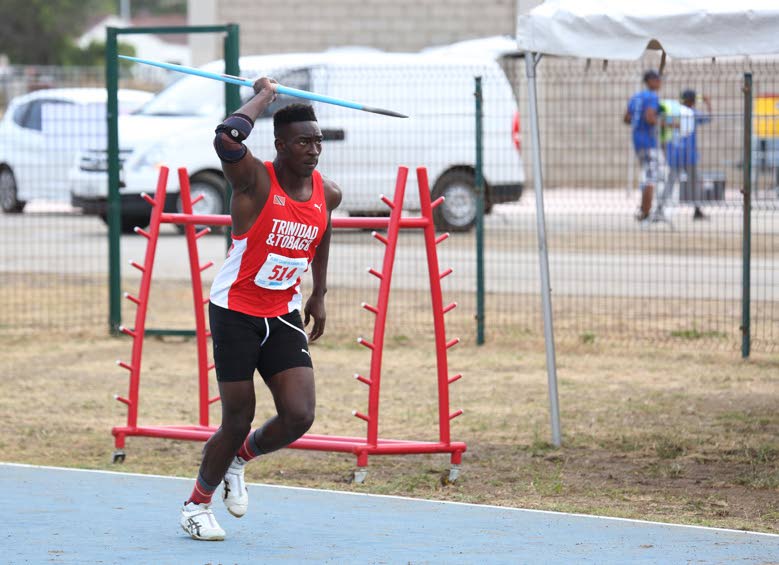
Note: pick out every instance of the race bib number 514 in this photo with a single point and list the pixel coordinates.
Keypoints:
(280, 272)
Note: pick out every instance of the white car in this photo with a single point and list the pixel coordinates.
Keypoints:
(361, 151)
(41, 135)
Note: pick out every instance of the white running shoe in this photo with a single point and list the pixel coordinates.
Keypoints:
(199, 522)
(235, 495)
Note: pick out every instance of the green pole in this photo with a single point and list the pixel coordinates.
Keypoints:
(479, 216)
(747, 229)
(113, 211)
(232, 67)
(232, 95)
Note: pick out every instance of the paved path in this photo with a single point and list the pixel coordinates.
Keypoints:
(74, 516)
(77, 245)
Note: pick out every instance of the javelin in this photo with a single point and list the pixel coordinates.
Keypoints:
(230, 79)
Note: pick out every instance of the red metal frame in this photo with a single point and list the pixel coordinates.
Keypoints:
(362, 447)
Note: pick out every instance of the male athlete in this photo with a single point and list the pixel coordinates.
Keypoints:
(281, 225)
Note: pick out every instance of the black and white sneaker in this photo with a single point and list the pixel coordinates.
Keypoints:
(235, 496)
(199, 522)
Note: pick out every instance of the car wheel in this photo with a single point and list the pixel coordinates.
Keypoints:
(8, 194)
(129, 222)
(458, 211)
(213, 187)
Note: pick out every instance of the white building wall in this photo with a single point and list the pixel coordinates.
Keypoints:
(203, 47)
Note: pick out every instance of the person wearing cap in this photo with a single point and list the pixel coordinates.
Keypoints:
(642, 115)
(681, 152)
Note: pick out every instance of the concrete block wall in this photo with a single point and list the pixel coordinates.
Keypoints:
(393, 25)
(583, 140)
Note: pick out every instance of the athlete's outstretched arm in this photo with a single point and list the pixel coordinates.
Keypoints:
(315, 306)
(238, 163)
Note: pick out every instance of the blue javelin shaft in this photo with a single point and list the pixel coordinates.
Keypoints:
(280, 89)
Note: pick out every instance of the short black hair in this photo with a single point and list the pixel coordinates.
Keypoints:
(688, 94)
(650, 74)
(292, 113)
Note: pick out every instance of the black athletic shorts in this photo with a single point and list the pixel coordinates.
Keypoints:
(243, 343)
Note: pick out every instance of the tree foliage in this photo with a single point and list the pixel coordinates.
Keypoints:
(94, 54)
(41, 32)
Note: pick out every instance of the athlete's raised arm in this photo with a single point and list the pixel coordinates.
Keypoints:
(238, 163)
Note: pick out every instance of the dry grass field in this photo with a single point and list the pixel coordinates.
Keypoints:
(678, 432)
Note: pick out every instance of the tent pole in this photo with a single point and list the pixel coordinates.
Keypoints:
(531, 60)
(746, 241)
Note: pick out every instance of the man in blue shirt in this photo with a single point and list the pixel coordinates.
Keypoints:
(643, 116)
(682, 155)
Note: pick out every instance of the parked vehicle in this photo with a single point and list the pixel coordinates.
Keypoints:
(41, 134)
(361, 151)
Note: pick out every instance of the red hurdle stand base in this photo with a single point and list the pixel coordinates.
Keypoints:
(361, 447)
(311, 442)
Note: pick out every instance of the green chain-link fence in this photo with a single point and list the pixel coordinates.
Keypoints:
(612, 278)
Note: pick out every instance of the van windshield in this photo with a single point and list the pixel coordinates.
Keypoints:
(189, 96)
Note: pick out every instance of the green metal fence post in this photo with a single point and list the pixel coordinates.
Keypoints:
(232, 96)
(746, 250)
(232, 67)
(232, 102)
(479, 216)
(113, 211)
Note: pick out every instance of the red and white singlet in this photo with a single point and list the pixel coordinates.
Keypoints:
(261, 275)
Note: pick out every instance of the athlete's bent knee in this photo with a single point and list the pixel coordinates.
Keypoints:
(298, 422)
(236, 429)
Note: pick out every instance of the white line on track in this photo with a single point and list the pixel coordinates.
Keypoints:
(396, 497)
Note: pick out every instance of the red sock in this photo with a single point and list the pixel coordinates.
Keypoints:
(202, 492)
(249, 449)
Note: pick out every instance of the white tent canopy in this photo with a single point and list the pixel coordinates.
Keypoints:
(623, 29)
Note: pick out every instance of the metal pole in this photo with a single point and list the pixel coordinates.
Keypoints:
(479, 215)
(124, 10)
(232, 100)
(531, 60)
(113, 211)
(232, 66)
(113, 207)
(746, 250)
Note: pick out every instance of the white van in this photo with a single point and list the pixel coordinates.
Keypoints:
(361, 151)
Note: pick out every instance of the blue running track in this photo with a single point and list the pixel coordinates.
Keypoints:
(55, 515)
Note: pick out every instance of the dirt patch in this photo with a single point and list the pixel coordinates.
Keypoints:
(661, 433)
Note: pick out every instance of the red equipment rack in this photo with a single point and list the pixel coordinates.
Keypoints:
(362, 447)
